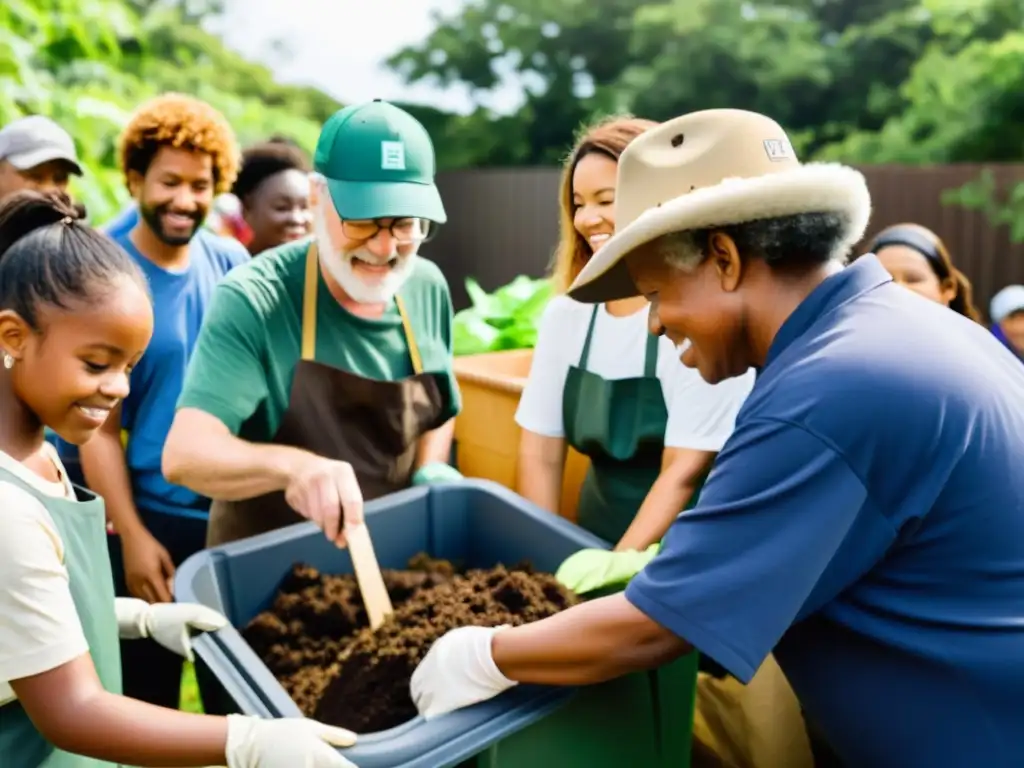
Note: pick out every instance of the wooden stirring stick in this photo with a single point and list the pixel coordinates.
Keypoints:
(371, 583)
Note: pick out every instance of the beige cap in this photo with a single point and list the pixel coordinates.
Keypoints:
(707, 169)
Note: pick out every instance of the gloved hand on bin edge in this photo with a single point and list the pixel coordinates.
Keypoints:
(592, 569)
(436, 472)
(169, 624)
(285, 743)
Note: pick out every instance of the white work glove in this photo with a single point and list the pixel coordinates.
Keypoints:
(288, 743)
(167, 623)
(458, 671)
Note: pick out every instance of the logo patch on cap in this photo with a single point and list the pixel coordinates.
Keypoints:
(778, 149)
(392, 156)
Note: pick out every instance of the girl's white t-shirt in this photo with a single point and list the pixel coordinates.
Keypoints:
(701, 416)
(40, 629)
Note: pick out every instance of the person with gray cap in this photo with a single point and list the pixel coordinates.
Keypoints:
(36, 153)
(1007, 313)
(864, 521)
(322, 375)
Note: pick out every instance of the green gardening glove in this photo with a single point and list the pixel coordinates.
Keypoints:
(592, 569)
(436, 472)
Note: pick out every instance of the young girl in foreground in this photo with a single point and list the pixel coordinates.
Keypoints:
(75, 316)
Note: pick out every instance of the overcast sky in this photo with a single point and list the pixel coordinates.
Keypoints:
(339, 46)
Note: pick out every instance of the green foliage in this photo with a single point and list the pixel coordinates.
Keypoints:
(1001, 208)
(862, 81)
(505, 319)
(809, 63)
(88, 63)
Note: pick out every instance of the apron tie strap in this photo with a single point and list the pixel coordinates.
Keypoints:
(410, 337)
(651, 356)
(309, 304)
(650, 353)
(585, 354)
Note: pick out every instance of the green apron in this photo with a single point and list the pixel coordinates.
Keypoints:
(620, 425)
(82, 528)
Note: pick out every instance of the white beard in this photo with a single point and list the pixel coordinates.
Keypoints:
(339, 265)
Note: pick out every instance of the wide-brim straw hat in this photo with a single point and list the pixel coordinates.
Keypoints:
(714, 168)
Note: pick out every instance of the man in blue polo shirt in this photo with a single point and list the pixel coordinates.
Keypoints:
(866, 518)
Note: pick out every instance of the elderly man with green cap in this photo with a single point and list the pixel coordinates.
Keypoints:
(322, 374)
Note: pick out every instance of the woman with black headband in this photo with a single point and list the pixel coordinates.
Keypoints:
(917, 259)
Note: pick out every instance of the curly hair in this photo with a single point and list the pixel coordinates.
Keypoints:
(261, 161)
(177, 120)
(609, 136)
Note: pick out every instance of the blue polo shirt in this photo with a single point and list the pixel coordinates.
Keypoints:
(866, 521)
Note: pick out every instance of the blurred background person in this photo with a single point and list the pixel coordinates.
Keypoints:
(273, 189)
(918, 259)
(36, 153)
(1007, 312)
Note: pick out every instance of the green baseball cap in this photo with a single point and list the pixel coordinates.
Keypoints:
(379, 163)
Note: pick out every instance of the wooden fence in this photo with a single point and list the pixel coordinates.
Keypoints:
(504, 222)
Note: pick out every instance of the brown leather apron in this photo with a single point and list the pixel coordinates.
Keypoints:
(373, 425)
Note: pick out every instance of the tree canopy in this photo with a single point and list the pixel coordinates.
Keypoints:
(865, 81)
(871, 81)
(88, 63)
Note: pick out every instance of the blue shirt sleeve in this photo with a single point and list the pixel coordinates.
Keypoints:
(236, 255)
(228, 252)
(780, 509)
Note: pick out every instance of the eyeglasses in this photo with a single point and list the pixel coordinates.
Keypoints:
(405, 231)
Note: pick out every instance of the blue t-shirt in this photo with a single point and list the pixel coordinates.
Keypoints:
(179, 305)
(123, 223)
(866, 521)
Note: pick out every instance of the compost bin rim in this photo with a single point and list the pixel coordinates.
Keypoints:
(496, 719)
(511, 384)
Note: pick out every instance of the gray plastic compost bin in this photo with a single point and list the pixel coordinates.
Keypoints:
(477, 523)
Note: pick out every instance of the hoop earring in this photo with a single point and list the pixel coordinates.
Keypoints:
(8, 361)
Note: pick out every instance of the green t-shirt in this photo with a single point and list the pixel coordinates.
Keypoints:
(251, 340)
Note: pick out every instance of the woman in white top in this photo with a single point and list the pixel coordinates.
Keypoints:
(602, 383)
(75, 317)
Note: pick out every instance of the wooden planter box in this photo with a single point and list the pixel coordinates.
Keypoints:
(486, 433)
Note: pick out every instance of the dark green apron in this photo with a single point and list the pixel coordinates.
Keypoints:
(82, 528)
(620, 425)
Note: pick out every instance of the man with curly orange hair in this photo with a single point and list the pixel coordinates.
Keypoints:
(177, 154)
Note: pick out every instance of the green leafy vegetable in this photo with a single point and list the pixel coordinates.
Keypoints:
(502, 320)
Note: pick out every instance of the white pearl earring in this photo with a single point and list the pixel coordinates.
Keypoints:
(8, 361)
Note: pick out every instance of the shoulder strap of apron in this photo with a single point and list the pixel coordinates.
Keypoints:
(410, 337)
(651, 356)
(585, 354)
(309, 296)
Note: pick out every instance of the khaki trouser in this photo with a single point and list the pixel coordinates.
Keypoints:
(750, 726)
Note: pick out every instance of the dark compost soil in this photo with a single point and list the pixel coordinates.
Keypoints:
(316, 641)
